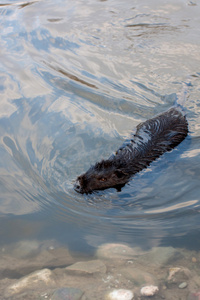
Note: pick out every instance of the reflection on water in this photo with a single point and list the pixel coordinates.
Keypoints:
(76, 78)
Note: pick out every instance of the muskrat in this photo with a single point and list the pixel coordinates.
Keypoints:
(152, 138)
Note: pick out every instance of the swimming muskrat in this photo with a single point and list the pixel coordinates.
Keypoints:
(152, 138)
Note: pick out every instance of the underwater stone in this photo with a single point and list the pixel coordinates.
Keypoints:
(120, 294)
(172, 272)
(138, 277)
(160, 256)
(183, 285)
(67, 294)
(117, 251)
(87, 267)
(149, 290)
(178, 274)
(30, 281)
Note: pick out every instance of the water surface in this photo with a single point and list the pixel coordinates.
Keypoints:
(76, 78)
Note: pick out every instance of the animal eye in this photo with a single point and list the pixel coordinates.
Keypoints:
(103, 179)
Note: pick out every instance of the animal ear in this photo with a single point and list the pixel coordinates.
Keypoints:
(119, 173)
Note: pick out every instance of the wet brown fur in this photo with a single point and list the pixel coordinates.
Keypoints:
(152, 138)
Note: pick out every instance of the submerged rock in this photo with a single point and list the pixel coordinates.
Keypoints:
(120, 294)
(18, 267)
(177, 274)
(160, 256)
(194, 260)
(117, 251)
(31, 281)
(25, 248)
(87, 267)
(149, 290)
(138, 277)
(172, 272)
(67, 294)
(182, 285)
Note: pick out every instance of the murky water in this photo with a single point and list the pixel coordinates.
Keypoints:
(76, 78)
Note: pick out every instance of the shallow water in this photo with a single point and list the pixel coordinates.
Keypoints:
(76, 78)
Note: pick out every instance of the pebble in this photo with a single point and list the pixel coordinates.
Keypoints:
(194, 260)
(120, 294)
(149, 290)
(183, 285)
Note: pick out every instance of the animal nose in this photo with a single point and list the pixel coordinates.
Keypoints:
(77, 186)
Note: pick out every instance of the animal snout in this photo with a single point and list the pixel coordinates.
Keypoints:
(77, 186)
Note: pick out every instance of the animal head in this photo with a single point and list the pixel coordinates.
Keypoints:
(103, 175)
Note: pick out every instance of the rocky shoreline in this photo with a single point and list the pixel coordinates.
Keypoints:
(117, 271)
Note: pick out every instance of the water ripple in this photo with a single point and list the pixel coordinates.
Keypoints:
(75, 81)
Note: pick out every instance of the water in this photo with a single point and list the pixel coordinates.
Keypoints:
(76, 78)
